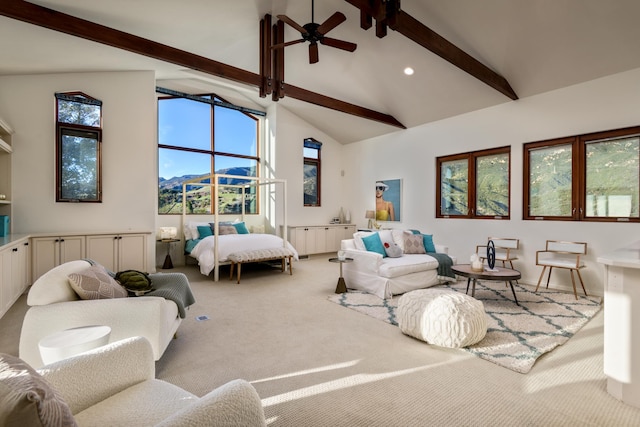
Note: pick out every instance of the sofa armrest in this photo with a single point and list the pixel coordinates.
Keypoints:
(442, 249)
(91, 377)
(363, 261)
(235, 403)
(127, 317)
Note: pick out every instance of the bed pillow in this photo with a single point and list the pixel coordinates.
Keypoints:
(190, 229)
(204, 231)
(95, 283)
(374, 244)
(227, 229)
(27, 399)
(241, 228)
(414, 244)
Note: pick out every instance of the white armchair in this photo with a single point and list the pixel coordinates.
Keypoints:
(54, 306)
(115, 385)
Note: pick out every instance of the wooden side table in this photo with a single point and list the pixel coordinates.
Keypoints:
(168, 264)
(341, 288)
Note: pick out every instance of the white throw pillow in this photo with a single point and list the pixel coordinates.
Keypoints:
(398, 237)
(53, 286)
(357, 239)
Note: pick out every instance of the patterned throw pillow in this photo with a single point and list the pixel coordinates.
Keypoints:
(96, 283)
(227, 229)
(414, 244)
(27, 399)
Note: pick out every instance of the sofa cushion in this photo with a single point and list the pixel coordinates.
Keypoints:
(395, 267)
(95, 283)
(53, 286)
(27, 399)
(414, 244)
(373, 243)
(427, 239)
(357, 239)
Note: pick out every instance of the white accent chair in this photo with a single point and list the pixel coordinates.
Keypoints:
(115, 385)
(505, 250)
(560, 254)
(54, 306)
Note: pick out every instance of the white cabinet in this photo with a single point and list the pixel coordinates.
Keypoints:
(5, 168)
(119, 252)
(51, 251)
(14, 273)
(318, 239)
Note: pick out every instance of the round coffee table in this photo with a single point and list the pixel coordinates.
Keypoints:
(497, 273)
(70, 342)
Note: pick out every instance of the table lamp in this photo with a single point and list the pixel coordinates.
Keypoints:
(167, 233)
(370, 215)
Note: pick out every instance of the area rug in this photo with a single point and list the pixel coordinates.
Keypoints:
(516, 335)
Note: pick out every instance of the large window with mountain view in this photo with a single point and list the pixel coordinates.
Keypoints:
(593, 177)
(474, 185)
(197, 139)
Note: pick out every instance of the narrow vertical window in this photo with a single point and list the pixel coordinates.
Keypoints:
(311, 172)
(78, 148)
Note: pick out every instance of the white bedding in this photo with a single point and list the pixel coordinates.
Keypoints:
(230, 243)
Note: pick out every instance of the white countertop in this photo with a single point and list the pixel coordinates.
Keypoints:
(624, 257)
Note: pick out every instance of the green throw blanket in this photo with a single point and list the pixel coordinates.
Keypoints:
(174, 287)
(444, 264)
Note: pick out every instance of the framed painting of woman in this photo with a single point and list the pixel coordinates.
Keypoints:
(388, 196)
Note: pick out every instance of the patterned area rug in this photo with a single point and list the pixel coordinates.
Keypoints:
(516, 335)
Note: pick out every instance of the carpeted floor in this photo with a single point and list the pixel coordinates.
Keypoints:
(517, 335)
(316, 364)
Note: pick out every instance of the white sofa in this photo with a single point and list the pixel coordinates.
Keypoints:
(54, 306)
(385, 276)
(115, 385)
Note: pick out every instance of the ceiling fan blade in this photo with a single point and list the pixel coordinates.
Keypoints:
(340, 44)
(313, 53)
(333, 21)
(283, 45)
(294, 24)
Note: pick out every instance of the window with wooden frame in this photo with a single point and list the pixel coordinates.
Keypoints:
(78, 148)
(474, 184)
(199, 136)
(592, 177)
(311, 172)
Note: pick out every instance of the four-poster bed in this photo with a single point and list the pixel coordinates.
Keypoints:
(213, 250)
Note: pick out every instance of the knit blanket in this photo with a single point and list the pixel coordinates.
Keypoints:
(174, 287)
(444, 265)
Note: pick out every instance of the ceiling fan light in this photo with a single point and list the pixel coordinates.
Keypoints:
(408, 71)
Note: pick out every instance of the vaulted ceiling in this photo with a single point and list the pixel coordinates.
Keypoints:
(536, 45)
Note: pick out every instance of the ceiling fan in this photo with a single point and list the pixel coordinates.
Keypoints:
(315, 33)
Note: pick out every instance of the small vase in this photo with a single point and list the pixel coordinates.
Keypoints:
(347, 218)
(341, 216)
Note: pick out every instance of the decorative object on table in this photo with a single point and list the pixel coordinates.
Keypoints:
(341, 255)
(370, 215)
(516, 336)
(335, 220)
(476, 263)
(168, 233)
(341, 216)
(347, 217)
(388, 198)
(491, 254)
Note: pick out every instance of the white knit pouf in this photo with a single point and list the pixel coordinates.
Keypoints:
(442, 317)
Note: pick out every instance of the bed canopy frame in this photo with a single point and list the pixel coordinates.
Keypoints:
(216, 185)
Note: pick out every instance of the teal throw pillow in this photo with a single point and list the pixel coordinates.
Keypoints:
(428, 243)
(373, 244)
(241, 228)
(204, 231)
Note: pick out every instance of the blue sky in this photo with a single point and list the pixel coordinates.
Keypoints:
(187, 123)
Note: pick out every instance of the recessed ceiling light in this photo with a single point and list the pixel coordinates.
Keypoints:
(408, 71)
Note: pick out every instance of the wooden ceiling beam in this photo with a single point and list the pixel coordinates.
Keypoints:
(68, 24)
(388, 13)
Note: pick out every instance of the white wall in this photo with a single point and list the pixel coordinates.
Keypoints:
(603, 104)
(129, 152)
